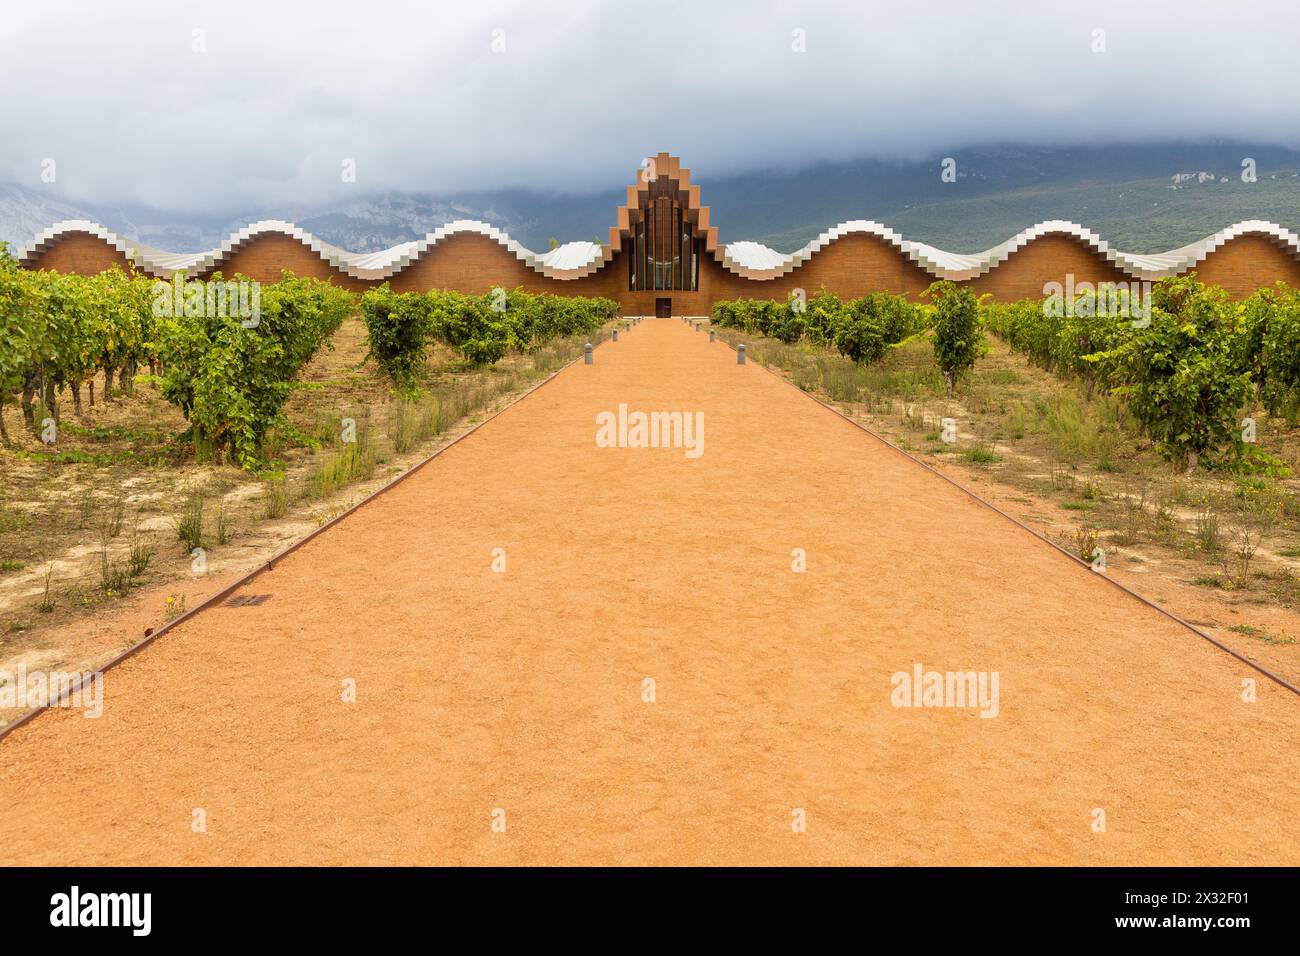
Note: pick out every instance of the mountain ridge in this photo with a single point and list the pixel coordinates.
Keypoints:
(1142, 199)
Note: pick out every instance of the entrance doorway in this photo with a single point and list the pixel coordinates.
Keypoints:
(663, 308)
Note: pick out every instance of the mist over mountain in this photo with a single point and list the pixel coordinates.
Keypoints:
(1145, 198)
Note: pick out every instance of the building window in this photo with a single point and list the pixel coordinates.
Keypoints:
(662, 248)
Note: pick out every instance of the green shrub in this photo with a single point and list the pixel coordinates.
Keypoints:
(1269, 334)
(468, 325)
(860, 328)
(484, 328)
(57, 330)
(231, 379)
(723, 315)
(863, 328)
(1080, 343)
(824, 315)
(858, 338)
(20, 330)
(1027, 327)
(1179, 375)
(1186, 376)
(398, 331)
(958, 330)
(786, 324)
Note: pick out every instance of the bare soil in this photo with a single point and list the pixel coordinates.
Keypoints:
(121, 475)
(1066, 477)
(520, 697)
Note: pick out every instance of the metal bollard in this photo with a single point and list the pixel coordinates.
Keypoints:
(713, 336)
(740, 354)
(586, 354)
(616, 335)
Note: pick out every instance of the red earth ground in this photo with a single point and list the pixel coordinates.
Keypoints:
(519, 697)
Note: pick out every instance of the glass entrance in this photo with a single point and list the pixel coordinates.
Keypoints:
(663, 250)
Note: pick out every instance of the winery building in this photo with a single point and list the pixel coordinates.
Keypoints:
(663, 257)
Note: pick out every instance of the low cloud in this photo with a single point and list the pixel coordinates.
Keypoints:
(219, 106)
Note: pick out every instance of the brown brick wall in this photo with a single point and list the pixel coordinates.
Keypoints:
(263, 257)
(476, 264)
(79, 253)
(1247, 263)
(1046, 259)
(849, 267)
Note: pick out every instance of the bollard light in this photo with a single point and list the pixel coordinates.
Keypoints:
(713, 336)
(740, 354)
(586, 354)
(616, 335)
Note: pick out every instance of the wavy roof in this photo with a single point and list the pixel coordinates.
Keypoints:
(569, 261)
(752, 260)
(756, 261)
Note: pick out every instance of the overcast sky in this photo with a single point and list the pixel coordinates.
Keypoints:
(200, 106)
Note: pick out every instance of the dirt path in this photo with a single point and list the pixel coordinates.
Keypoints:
(523, 690)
